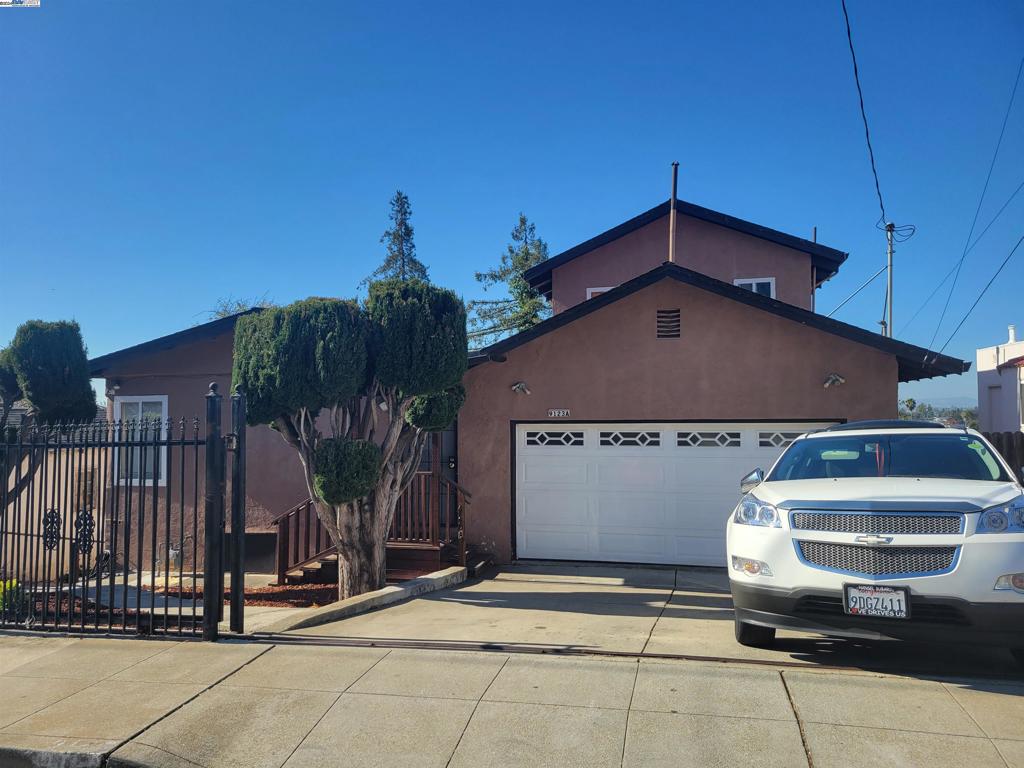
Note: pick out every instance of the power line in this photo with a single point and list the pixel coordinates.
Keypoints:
(983, 292)
(893, 233)
(971, 248)
(863, 112)
(984, 189)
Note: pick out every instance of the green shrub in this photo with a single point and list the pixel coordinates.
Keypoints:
(311, 354)
(53, 370)
(345, 469)
(418, 341)
(11, 596)
(436, 412)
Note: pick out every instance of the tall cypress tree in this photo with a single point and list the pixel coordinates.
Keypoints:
(400, 261)
(522, 307)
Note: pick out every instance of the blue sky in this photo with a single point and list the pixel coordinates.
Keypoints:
(158, 155)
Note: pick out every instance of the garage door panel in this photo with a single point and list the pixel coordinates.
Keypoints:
(657, 493)
(633, 547)
(557, 470)
(631, 510)
(556, 544)
(631, 472)
(555, 508)
(698, 550)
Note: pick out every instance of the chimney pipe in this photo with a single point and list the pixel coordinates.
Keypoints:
(1012, 334)
(672, 214)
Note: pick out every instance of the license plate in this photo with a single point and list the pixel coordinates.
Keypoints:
(871, 600)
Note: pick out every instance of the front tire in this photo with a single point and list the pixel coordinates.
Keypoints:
(755, 636)
(1018, 655)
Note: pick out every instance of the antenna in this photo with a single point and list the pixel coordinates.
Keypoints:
(672, 214)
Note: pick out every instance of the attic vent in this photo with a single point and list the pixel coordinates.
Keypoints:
(668, 323)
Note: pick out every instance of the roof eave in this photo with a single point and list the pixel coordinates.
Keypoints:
(98, 366)
(827, 260)
(914, 363)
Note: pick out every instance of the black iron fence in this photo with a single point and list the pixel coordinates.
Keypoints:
(1011, 446)
(119, 527)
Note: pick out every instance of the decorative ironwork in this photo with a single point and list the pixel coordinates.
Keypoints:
(708, 439)
(105, 505)
(84, 527)
(632, 439)
(51, 529)
(554, 438)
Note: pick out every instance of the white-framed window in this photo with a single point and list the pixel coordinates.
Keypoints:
(762, 285)
(136, 464)
(592, 292)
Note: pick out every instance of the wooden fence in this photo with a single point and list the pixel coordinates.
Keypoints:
(1011, 445)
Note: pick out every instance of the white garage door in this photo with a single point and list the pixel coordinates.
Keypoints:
(638, 493)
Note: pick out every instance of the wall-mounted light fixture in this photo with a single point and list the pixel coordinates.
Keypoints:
(833, 380)
(521, 388)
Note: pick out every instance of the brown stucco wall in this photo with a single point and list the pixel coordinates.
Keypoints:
(732, 362)
(274, 481)
(722, 253)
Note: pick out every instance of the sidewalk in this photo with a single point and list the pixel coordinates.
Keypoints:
(130, 702)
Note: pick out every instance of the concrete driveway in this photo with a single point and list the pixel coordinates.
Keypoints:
(656, 611)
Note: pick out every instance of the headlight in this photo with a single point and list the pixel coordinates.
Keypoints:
(752, 511)
(1006, 518)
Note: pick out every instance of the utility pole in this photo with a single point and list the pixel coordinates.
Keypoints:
(889, 229)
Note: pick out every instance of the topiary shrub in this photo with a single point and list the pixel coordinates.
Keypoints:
(436, 412)
(310, 354)
(419, 336)
(52, 370)
(345, 470)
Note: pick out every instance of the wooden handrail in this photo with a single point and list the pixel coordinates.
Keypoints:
(430, 513)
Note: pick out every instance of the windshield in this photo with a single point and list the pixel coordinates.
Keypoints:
(956, 456)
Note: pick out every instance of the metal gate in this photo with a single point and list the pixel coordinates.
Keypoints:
(119, 527)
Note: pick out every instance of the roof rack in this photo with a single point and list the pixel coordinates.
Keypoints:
(885, 424)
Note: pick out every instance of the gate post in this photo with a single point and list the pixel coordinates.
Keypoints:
(238, 512)
(213, 566)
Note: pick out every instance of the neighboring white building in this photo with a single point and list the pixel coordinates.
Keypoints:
(1001, 386)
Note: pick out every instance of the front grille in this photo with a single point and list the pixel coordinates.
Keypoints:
(878, 561)
(926, 613)
(864, 522)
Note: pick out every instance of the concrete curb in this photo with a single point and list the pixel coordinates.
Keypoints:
(312, 617)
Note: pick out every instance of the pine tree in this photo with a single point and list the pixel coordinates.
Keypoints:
(400, 262)
(523, 307)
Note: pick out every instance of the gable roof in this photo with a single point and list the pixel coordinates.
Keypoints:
(826, 260)
(99, 365)
(914, 362)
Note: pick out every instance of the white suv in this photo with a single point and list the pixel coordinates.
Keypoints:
(882, 529)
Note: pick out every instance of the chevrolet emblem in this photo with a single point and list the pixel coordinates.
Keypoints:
(873, 539)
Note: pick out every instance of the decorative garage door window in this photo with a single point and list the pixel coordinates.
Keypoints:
(554, 438)
(776, 439)
(708, 439)
(635, 439)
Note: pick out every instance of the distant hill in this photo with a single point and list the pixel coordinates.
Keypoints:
(952, 402)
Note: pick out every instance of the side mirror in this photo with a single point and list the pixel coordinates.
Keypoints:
(751, 481)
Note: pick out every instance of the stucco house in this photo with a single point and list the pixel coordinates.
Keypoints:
(1001, 385)
(618, 429)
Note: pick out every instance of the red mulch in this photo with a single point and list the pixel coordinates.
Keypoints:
(285, 596)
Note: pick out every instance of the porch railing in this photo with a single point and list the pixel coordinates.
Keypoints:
(430, 515)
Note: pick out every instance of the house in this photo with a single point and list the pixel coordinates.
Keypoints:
(1001, 385)
(618, 429)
